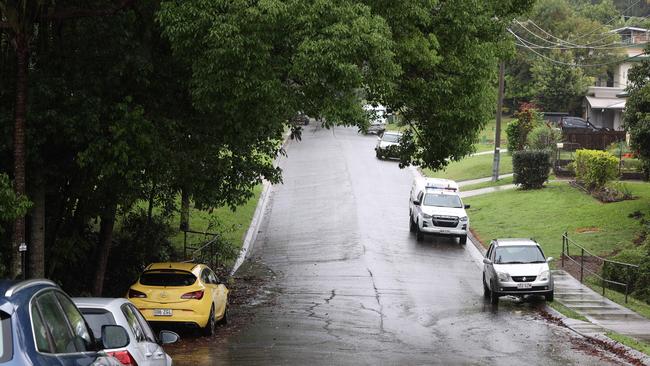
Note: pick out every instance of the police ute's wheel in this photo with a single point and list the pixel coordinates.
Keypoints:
(412, 225)
(463, 239)
(486, 290)
(419, 235)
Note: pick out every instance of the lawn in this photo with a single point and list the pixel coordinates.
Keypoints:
(486, 137)
(233, 225)
(472, 167)
(545, 214)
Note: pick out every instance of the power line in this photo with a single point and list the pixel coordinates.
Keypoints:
(522, 43)
(560, 46)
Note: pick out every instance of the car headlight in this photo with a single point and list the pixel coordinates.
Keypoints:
(503, 276)
(463, 219)
(544, 276)
(425, 216)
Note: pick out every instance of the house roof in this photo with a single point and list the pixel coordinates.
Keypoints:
(606, 103)
(629, 28)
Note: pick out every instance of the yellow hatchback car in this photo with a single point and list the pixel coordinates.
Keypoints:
(181, 293)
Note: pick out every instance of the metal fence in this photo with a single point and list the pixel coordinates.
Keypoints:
(202, 247)
(595, 265)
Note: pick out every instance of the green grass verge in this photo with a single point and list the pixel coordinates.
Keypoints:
(500, 182)
(233, 224)
(546, 213)
(640, 346)
(569, 313)
(472, 167)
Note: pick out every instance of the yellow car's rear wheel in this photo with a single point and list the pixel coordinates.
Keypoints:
(208, 331)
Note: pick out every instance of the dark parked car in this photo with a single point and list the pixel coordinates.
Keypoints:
(577, 124)
(40, 325)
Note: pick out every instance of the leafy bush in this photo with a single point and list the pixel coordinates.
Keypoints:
(595, 168)
(138, 243)
(621, 273)
(11, 205)
(543, 137)
(642, 282)
(526, 119)
(531, 168)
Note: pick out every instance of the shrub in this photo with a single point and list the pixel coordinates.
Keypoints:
(526, 119)
(531, 168)
(595, 168)
(543, 137)
(138, 243)
(621, 273)
(642, 283)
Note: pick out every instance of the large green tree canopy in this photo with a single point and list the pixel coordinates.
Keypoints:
(254, 64)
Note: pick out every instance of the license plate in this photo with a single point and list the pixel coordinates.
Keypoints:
(524, 285)
(162, 312)
(444, 231)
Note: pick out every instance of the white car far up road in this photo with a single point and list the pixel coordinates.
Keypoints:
(144, 348)
(435, 207)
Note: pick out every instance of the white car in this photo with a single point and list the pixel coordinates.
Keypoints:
(144, 348)
(388, 145)
(377, 115)
(516, 267)
(435, 207)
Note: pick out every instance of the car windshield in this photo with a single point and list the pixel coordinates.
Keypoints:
(171, 278)
(442, 200)
(96, 318)
(389, 137)
(518, 254)
(5, 337)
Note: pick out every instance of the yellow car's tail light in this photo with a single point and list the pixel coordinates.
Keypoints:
(136, 294)
(198, 295)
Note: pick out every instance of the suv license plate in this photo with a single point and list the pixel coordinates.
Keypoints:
(524, 285)
(162, 312)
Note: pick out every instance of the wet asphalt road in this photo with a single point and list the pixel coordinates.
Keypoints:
(353, 286)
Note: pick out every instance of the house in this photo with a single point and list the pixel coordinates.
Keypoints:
(605, 102)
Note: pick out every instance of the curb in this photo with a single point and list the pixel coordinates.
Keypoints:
(253, 228)
(601, 340)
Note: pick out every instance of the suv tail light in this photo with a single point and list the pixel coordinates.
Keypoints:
(124, 357)
(137, 294)
(198, 295)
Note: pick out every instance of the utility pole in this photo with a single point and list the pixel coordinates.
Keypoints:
(497, 134)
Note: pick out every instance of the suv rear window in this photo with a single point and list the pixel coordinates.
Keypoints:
(5, 338)
(167, 278)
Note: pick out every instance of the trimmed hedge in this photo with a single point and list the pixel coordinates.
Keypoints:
(595, 168)
(531, 168)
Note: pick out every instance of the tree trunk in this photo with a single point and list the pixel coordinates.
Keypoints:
(152, 196)
(22, 60)
(104, 249)
(185, 210)
(37, 237)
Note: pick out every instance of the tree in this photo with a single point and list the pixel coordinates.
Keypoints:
(562, 33)
(449, 52)
(636, 118)
(19, 19)
(559, 87)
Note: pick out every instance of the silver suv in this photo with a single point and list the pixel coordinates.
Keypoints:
(516, 267)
